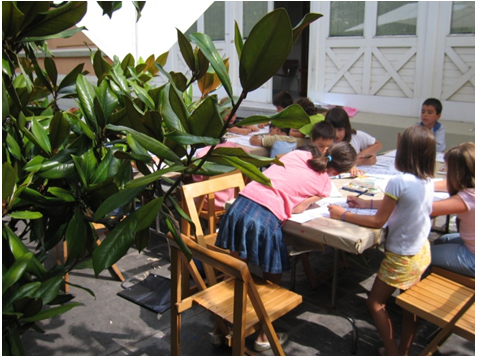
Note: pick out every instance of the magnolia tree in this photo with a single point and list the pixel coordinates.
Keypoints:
(64, 170)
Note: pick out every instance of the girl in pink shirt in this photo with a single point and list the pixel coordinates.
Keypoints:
(251, 227)
(456, 252)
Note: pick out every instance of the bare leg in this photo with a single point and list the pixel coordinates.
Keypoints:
(377, 306)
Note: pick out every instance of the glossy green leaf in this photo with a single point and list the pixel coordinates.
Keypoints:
(187, 139)
(238, 40)
(142, 95)
(62, 193)
(59, 130)
(206, 45)
(307, 20)
(57, 20)
(26, 215)
(49, 289)
(63, 170)
(186, 50)
(154, 146)
(115, 245)
(101, 66)
(248, 169)
(18, 249)
(70, 78)
(8, 180)
(117, 200)
(58, 35)
(76, 235)
(5, 104)
(27, 290)
(107, 99)
(206, 119)
(31, 9)
(41, 136)
(293, 116)
(147, 179)
(51, 312)
(265, 50)
(174, 112)
(51, 70)
(13, 147)
(15, 344)
(80, 169)
(241, 154)
(147, 213)
(107, 168)
(86, 95)
(15, 271)
(202, 63)
(34, 164)
(128, 61)
(12, 18)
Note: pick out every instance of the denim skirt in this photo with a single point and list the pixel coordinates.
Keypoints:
(255, 233)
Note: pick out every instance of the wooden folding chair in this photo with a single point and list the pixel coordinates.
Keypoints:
(247, 304)
(445, 299)
(193, 198)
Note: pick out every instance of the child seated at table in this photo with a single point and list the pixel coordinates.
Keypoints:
(406, 208)
(282, 100)
(234, 128)
(279, 140)
(365, 145)
(456, 251)
(430, 114)
(322, 137)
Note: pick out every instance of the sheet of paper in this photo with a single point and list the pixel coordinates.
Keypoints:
(440, 157)
(335, 193)
(322, 210)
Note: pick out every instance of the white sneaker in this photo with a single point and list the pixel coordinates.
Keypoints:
(263, 346)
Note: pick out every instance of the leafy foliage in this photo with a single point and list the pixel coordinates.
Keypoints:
(64, 170)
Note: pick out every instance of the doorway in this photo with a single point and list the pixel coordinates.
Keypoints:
(293, 76)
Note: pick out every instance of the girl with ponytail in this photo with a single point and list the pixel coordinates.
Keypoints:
(251, 227)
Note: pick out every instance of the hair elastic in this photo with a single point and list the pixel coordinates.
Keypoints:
(329, 158)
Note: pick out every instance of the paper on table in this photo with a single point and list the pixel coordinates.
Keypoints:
(440, 195)
(440, 157)
(322, 210)
(335, 193)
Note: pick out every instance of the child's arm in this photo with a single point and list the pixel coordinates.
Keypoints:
(368, 156)
(386, 207)
(256, 140)
(243, 131)
(252, 128)
(452, 205)
(305, 204)
(440, 185)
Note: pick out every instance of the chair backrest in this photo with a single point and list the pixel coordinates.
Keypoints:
(193, 196)
(231, 300)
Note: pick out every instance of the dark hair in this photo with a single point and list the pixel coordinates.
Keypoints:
(343, 158)
(283, 99)
(307, 105)
(416, 152)
(460, 163)
(434, 102)
(339, 119)
(285, 130)
(323, 129)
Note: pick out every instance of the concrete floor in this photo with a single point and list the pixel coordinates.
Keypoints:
(110, 325)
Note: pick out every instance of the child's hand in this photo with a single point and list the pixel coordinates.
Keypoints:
(355, 172)
(368, 159)
(355, 202)
(336, 211)
(253, 128)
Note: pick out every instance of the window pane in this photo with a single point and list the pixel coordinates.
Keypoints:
(252, 12)
(463, 17)
(214, 21)
(347, 18)
(396, 18)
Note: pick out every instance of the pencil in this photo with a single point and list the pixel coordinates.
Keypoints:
(347, 201)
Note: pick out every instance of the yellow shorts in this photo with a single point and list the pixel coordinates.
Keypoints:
(403, 271)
